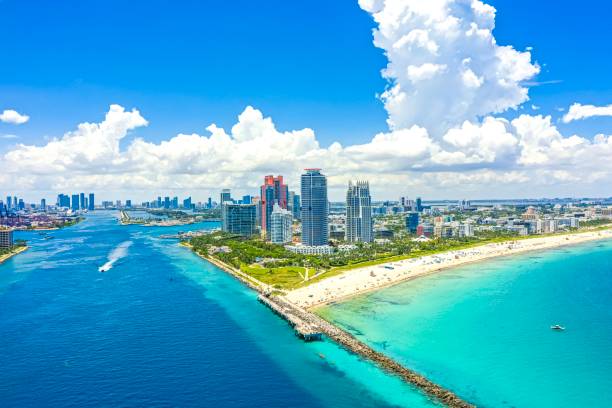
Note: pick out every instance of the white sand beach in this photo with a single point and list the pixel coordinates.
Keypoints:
(370, 278)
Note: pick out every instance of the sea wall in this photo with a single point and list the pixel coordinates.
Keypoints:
(297, 316)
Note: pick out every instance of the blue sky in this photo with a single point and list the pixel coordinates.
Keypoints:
(306, 64)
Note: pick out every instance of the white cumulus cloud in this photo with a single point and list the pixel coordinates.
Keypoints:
(445, 65)
(448, 78)
(13, 117)
(578, 111)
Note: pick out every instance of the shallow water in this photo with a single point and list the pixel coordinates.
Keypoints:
(483, 330)
(160, 328)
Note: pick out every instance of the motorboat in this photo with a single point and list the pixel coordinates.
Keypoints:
(557, 327)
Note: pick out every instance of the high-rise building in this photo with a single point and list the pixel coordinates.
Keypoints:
(315, 230)
(187, 203)
(359, 213)
(128, 203)
(419, 204)
(226, 196)
(412, 222)
(273, 191)
(82, 201)
(8, 202)
(43, 204)
(6, 238)
(63, 201)
(91, 202)
(281, 222)
(75, 202)
(246, 199)
(239, 219)
(293, 205)
(166, 202)
(175, 202)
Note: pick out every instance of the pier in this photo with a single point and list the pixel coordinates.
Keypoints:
(303, 329)
(310, 327)
(316, 324)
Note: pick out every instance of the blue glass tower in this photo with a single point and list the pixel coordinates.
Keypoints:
(314, 208)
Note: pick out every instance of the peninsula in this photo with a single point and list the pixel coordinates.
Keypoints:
(6, 254)
(294, 305)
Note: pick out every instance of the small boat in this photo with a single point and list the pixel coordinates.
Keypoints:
(103, 269)
(557, 327)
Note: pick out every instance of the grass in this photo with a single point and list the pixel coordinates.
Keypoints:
(286, 277)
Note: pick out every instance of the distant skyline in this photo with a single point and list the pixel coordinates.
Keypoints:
(462, 111)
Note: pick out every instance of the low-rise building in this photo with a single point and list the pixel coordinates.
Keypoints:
(310, 249)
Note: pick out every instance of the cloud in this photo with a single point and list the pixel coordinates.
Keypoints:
(13, 117)
(448, 78)
(578, 111)
(444, 64)
(9, 136)
(494, 154)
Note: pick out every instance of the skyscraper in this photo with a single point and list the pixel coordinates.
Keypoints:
(281, 222)
(63, 200)
(273, 191)
(315, 230)
(187, 203)
(91, 204)
(43, 204)
(359, 213)
(419, 204)
(82, 201)
(75, 202)
(226, 195)
(239, 219)
(412, 222)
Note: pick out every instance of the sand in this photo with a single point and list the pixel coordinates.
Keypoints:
(361, 280)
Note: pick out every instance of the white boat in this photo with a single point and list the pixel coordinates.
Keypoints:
(557, 327)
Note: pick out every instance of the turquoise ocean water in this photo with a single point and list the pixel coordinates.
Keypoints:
(161, 328)
(483, 330)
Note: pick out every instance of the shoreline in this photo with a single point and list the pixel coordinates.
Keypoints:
(341, 337)
(8, 256)
(367, 279)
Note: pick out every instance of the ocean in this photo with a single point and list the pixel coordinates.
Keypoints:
(160, 328)
(483, 330)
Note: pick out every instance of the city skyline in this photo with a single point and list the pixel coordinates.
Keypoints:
(466, 113)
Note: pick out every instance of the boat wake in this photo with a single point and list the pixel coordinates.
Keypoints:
(116, 254)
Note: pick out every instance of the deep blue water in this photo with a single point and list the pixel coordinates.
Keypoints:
(161, 328)
(483, 330)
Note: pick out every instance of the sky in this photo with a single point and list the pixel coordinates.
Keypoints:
(442, 99)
